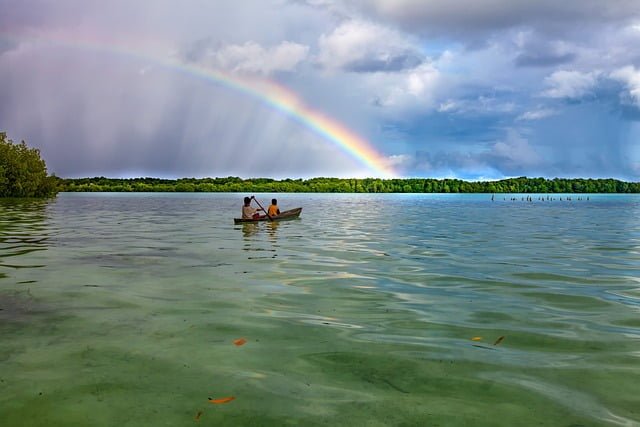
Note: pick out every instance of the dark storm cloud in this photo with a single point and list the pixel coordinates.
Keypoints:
(549, 88)
(7, 45)
(517, 157)
(32, 13)
(540, 59)
(585, 139)
(114, 116)
(469, 17)
(535, 49)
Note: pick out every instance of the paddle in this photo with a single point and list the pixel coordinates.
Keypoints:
(263, 209)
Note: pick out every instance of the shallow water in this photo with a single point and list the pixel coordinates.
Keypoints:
(122, 309)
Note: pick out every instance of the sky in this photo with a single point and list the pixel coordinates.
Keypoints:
(470, 89)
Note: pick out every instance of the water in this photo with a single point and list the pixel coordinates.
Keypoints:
(122, 309)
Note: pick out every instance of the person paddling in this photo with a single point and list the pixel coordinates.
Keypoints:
(248, 211)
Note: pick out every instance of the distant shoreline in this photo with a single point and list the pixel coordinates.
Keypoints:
(348, 185)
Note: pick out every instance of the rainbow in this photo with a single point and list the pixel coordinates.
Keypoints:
(271, 94)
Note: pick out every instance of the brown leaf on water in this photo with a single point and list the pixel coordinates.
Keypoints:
(476, 339)
(222, 400)
(499, 340)
(240, 341)
(198, 415)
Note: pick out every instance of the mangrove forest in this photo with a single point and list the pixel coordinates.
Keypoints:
(342, 185)
(22, 172)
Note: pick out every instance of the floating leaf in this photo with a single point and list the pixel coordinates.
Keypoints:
(240, 341)
(198, 415)
(499, 340)
(222, 400)
(476, 339)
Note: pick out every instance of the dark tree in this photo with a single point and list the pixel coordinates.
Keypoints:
(22, 172)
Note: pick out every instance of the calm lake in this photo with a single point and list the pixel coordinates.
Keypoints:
(376, 310)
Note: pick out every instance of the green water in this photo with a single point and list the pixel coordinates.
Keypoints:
(122, 309)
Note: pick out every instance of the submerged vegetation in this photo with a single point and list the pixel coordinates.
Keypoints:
(22, 172)
(339, 185)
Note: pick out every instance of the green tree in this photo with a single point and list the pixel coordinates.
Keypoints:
(22, 172)
(350, 185)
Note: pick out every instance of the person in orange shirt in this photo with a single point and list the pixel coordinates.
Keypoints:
(273, 210)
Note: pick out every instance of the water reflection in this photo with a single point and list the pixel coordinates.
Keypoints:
(272, 228)
(249, 229)
(260, 239)
(23, 230)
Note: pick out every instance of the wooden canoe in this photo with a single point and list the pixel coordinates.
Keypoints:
(290, 214)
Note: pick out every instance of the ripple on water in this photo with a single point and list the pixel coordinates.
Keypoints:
(376, 309)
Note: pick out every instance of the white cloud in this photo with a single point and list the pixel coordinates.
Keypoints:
(630, 77)
(514, 152)
(449, 106)
(479, 105)
(415, 89)
(400, 161)
(364, 46)
(570, 84)
(538, 114)
(251, 57)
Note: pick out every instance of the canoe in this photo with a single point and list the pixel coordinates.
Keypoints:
(290, 214)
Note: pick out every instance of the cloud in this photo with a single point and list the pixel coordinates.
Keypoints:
(6, 46)
(160, 123)
(479, 105)
(469, 17)
(442, 78)
(535, 49)
(538, 114)
(365, 47)
(572, 85)
(440, 164)
(513, 153)
(249, 57)
(538, 59)
(409, 91)
(629, 76)
(404, 162)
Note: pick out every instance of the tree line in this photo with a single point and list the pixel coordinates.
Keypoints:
(345, 185)
(22, 172)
